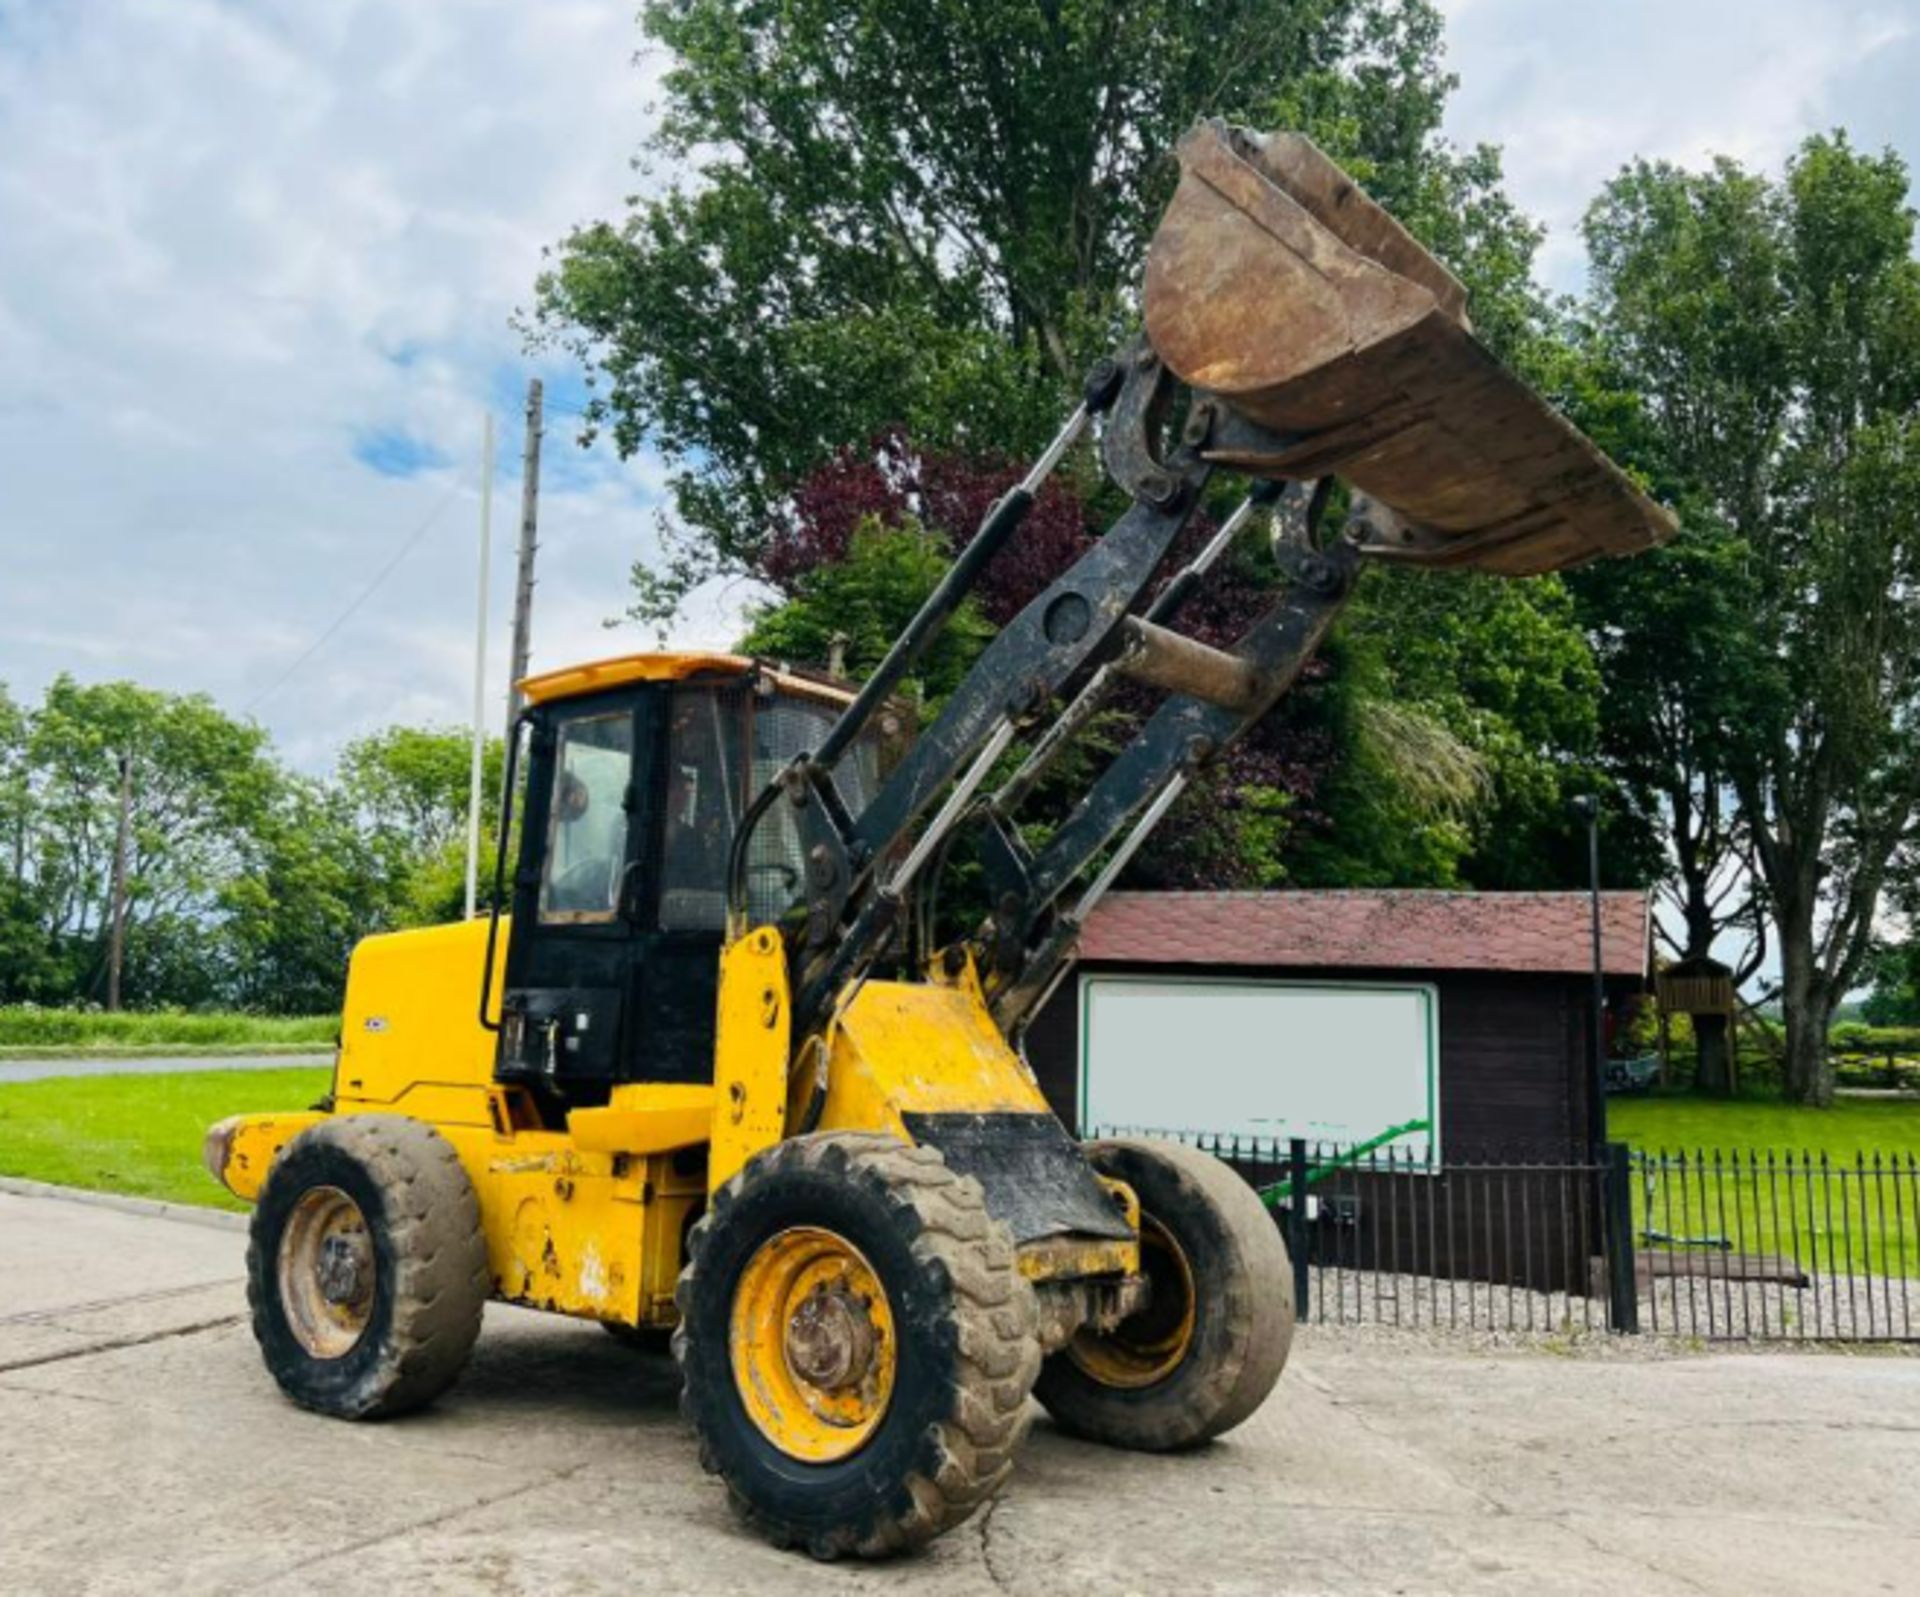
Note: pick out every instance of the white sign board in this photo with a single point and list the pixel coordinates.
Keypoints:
(1330, 1062)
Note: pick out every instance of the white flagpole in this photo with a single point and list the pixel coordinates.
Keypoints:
(480, 669)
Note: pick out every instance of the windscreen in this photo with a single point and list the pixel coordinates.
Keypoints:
(709, 784)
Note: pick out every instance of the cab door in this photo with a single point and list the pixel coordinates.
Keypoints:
(702, 786)
(579, 896)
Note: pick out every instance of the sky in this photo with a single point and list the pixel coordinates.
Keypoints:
(259, 264)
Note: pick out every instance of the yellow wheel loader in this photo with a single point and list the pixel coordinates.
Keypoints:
(718, 1077)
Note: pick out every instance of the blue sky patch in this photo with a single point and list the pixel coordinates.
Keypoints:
(395, 454)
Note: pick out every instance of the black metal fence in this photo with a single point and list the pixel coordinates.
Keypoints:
(1717, 1246)
(1750, 1245)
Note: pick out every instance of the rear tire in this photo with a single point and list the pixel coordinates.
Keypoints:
(366, 1268)
(1209, 1346)
(856, 1345)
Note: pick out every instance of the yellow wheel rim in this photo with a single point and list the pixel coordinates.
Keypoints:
(327, 1272)
(1148, 1346)
(812, 1344)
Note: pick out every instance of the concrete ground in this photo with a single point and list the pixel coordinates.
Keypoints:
(155, 1065)
(143, 1449)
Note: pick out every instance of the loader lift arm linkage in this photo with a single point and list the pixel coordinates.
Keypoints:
(1313, 336)
(859, 890)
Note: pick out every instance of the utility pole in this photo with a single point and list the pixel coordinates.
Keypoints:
(523, 577)
(117, 924)
(480, 668)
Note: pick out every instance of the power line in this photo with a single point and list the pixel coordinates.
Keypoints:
(366, 593)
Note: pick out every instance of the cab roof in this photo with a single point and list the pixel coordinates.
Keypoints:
(570, 682)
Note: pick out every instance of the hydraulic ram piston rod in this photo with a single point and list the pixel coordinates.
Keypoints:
(1094, 694)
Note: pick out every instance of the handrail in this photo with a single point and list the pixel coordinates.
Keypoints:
(500, 865)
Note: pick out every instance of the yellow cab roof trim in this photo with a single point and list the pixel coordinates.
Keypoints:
(570, 682)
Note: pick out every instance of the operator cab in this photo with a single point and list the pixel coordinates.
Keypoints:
(638, 770)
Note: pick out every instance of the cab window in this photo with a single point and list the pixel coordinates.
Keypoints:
(587, 819)
(776, 862)
(703, 798)
(706, 790)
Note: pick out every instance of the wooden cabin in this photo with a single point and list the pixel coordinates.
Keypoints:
(1455, 1027)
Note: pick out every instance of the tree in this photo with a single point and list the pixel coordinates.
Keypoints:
(1895, 973)
(201, 782)
(308, 892)
(933, 216)
(1505, 669)
(889, 481)
(29, 967)
(918, 226)
(15, 807)
(1434, 744)
(407, 790)
(854, 607)
(409, 786)
(1668, 631)
(246, 884)
(1772, 332)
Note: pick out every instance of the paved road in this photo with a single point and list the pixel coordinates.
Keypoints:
(41, 1069)
(145, 1450)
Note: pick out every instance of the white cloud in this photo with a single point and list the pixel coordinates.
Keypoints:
(236, 243)
(1574, 92)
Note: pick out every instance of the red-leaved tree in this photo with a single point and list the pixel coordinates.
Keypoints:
(890, 482)
(1280, 769)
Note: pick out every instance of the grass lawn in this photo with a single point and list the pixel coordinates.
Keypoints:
(137, 1134)
(1869, 1222)
(26, 1029)
(1852, 1125)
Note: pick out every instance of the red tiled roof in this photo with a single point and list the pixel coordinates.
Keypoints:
(1551, 932)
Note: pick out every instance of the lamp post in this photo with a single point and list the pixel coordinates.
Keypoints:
(1587, 808)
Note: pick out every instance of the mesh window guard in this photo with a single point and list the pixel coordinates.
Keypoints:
(708, 785)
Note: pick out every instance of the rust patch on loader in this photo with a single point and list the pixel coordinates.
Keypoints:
(1276, 285)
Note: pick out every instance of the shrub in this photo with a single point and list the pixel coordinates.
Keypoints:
(32, 1026)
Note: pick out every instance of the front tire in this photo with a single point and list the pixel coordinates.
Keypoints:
(366, 1268)
(1213, 1338)
(856, 1344)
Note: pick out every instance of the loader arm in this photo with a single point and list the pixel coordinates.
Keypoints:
(1294, 334)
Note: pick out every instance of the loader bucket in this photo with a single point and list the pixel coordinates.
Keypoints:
(1276, 285)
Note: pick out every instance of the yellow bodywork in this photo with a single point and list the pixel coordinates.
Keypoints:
(597, 675)
(751, 1044)
(921, 1047)
(590, 1221)
(587, 1221)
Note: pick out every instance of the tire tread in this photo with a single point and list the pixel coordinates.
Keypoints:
(996, 1349)
(1245, 1350)
(441, 1278)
